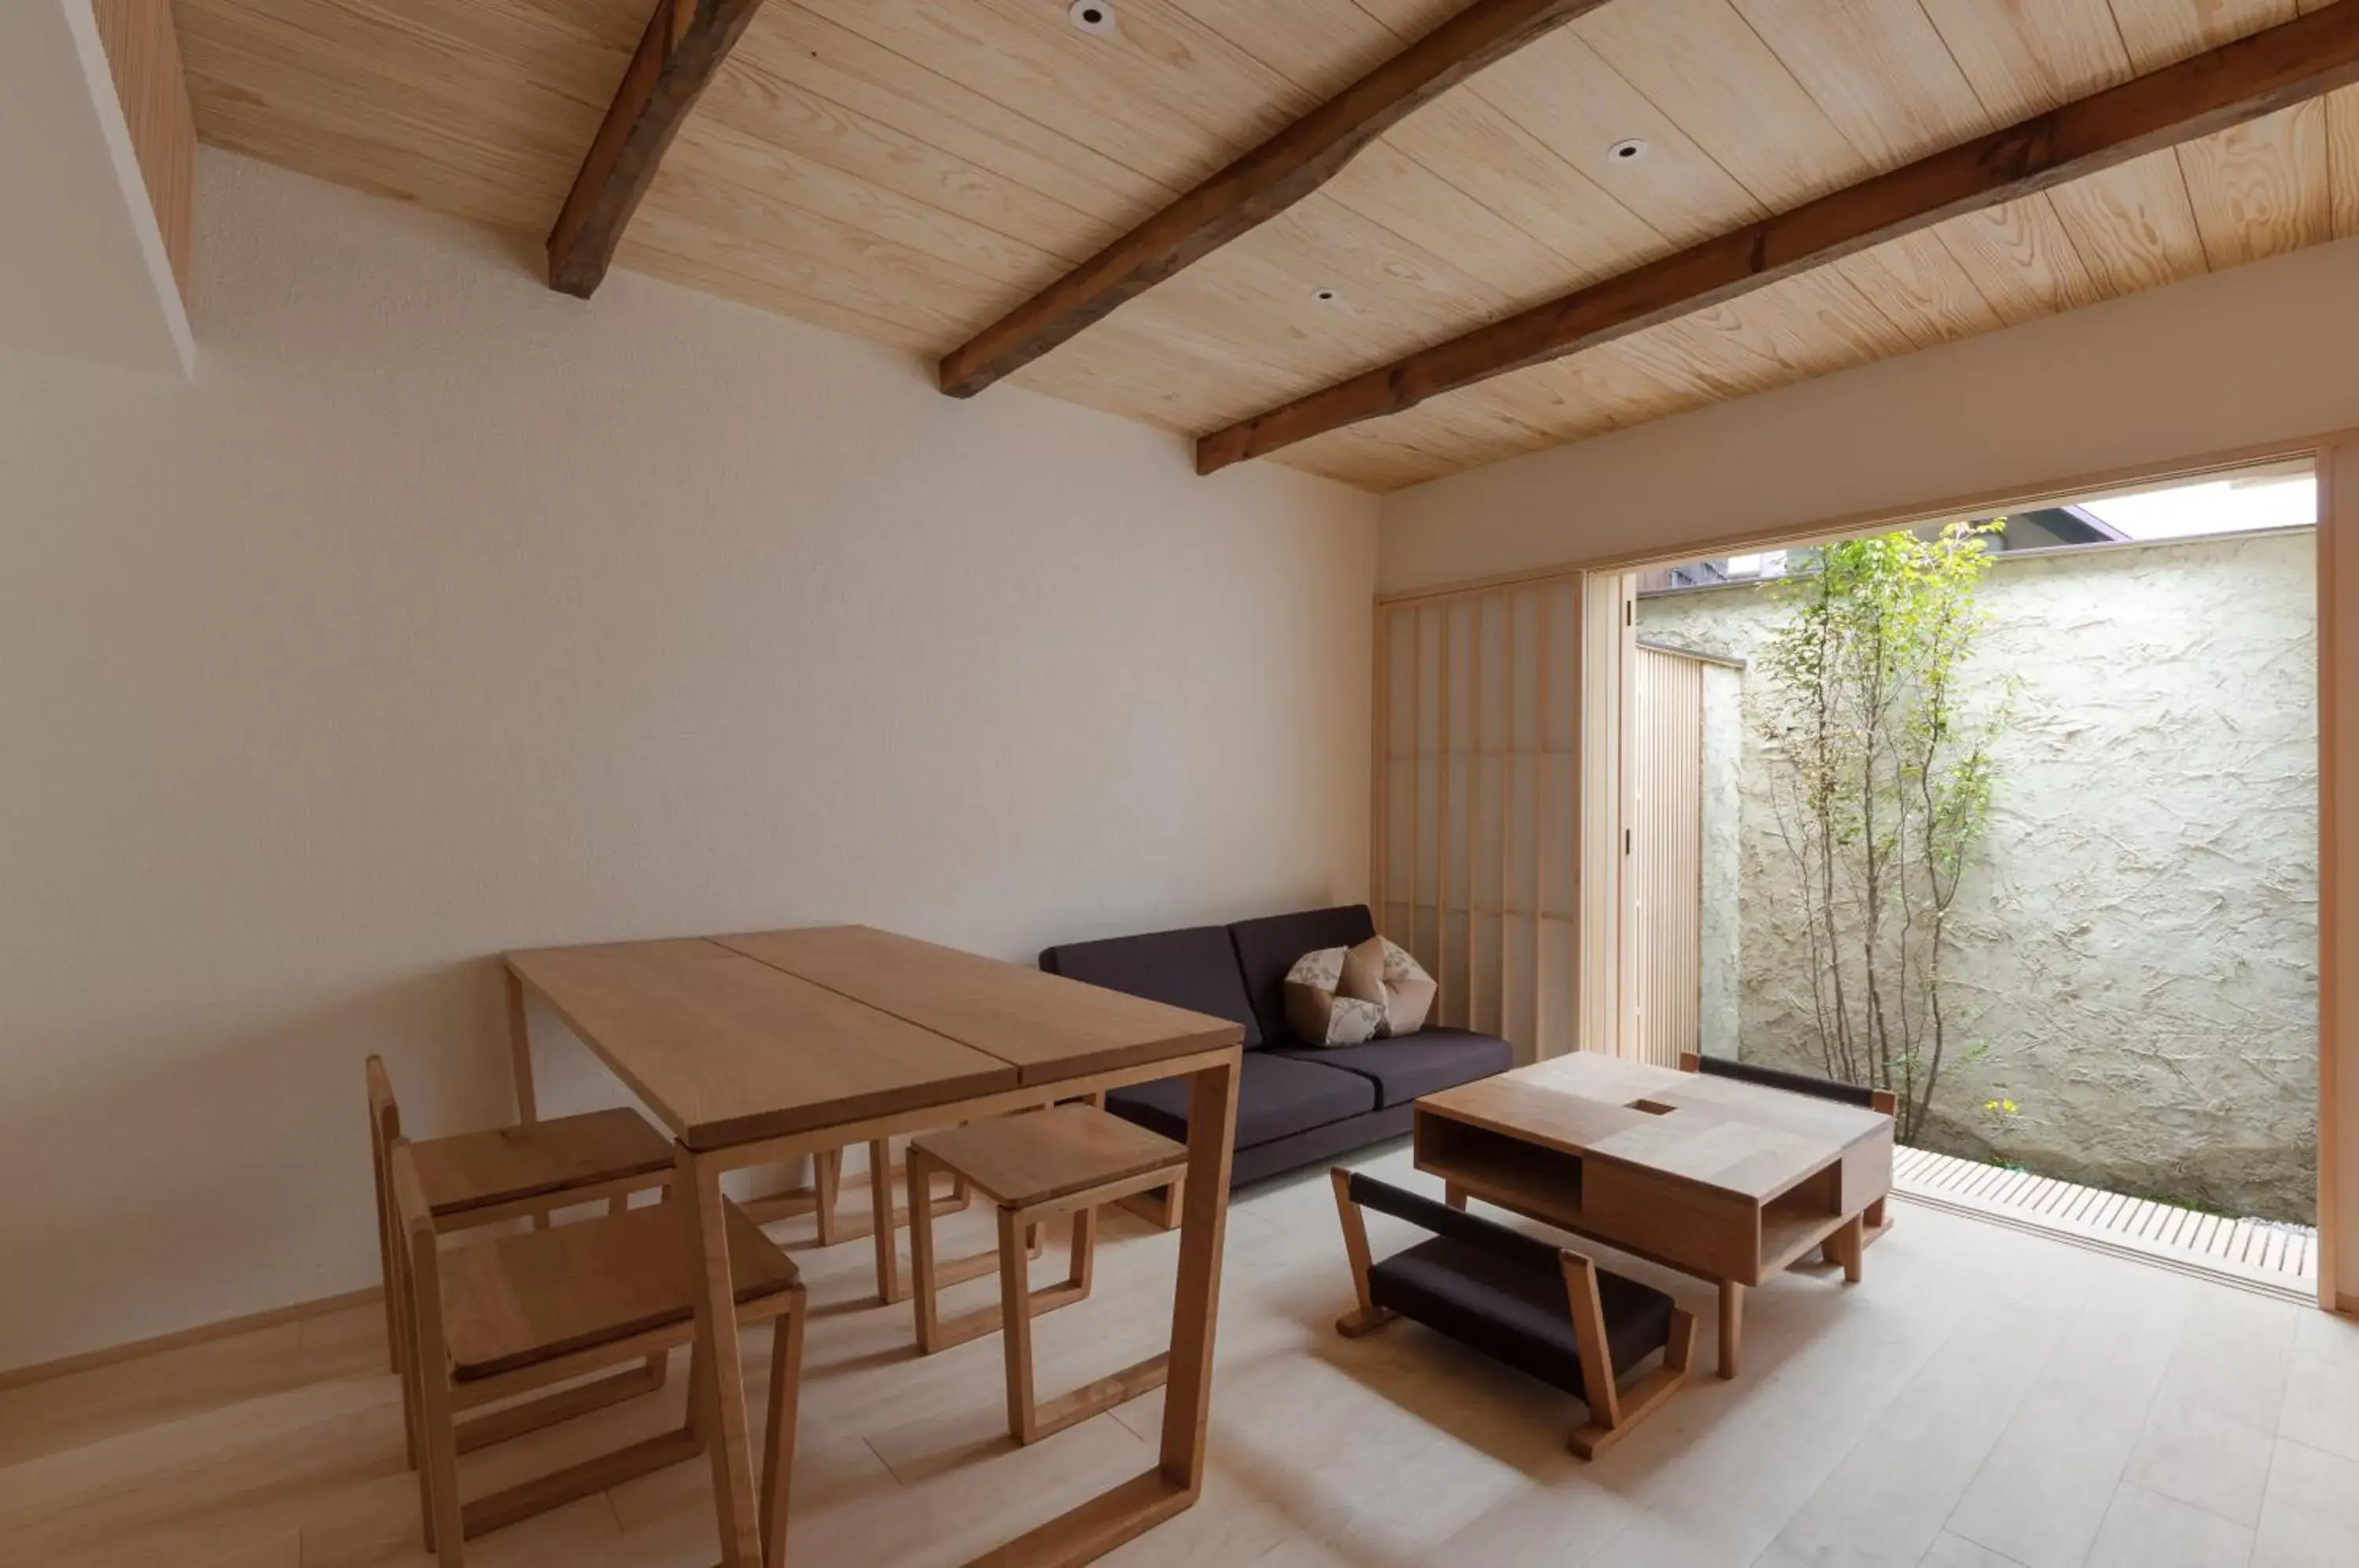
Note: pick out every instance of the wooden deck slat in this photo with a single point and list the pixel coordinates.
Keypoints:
(2247, 1248)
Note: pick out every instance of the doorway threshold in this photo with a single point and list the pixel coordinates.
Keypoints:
(2266, 1256)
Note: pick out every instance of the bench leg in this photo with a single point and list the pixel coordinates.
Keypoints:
(1732, 1326)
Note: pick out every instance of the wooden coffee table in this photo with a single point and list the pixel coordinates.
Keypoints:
(1722, 1179)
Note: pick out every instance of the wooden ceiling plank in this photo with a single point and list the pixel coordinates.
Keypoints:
(1929, 295)
(1387, 186)
(760, 169)
(1880, 72)
(1265, 180)
(684, 44)
(678, 252)
(1560, 92)
(2022, 258)
(815, 254)
(2025, 57)
(2134, 225)
(2343, 159)
(1705, 69)
(752, 98)
(2253, 77)
(1465, 140)
(2261, 189)
(796, 44)
(479, 115)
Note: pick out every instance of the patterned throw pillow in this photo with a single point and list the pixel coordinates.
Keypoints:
(1402, 985)
(1318, 1005)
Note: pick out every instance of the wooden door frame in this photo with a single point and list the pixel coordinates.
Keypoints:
(2338, 734)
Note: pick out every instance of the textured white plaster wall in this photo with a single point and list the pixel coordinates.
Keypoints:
(442, 614)
(2138, 944)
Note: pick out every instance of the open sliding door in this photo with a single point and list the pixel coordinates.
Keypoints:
(1478, 835)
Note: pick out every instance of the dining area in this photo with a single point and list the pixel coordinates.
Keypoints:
(605, 1242)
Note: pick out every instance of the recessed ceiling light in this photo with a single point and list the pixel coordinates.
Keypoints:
(1629, 150)
(1091, 16)
(1326, 296)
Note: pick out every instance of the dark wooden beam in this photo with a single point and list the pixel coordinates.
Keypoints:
(1257, 187)
(683, 46)
(2236, 82)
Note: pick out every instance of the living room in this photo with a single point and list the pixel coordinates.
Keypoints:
(379, 620)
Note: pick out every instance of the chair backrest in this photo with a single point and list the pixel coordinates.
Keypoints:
(1456, 1224)
(1792, 1082)
(415, 1238)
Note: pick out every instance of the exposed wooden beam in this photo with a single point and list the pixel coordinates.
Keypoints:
(2227, 86)
(1257, 187)
(683, 46)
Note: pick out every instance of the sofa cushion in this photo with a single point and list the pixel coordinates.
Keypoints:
(1267, 949)
(1421, 1063)
(1277, 1095)
(1195, 969)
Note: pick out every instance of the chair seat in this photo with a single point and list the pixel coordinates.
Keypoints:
(483, 1169)
(1515, 1313)
(519, 1300)
(1042, 1155)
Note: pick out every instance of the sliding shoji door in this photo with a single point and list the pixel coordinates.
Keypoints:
(1478, 828)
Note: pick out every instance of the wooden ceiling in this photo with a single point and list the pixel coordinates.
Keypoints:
(909, 171)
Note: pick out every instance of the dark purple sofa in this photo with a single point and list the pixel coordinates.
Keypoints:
(1296, 1104)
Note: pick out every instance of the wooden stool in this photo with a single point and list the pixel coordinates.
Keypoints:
(820, 1200)
(530, 1310)
(1065, 1160)
(476, 1178)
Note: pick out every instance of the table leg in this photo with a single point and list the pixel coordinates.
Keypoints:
(1851, 1248)
(520, 1048)
(1196, 1303)
(1732, 1326)
(727, 1430)
(880, 1198)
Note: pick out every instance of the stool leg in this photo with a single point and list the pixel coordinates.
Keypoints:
(658, 1363)
(827, 1177)
(921, 1254)
(880, 1191)
(1015, 1327)
(778, 1440)
(1084, 1250)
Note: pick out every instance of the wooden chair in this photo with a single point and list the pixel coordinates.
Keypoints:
(1065, 1160)
(476, 1178)
(1882, 1101)
(1542, 1309)
(496, 1318)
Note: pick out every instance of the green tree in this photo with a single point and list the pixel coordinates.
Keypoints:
(1881, 780)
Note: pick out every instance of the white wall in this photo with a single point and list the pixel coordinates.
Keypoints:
(83, 271)
(442, 614)
(2263, 353)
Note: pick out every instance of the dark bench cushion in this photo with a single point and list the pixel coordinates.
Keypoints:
(1267, 949)
(1421, 1063)
(1515, 1313)
(1276, 1097)
(1792, 1082)
(1195, 969)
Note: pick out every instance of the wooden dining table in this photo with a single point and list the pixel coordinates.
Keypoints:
(764, 1047)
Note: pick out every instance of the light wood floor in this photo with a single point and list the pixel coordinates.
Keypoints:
(1987, 1397)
